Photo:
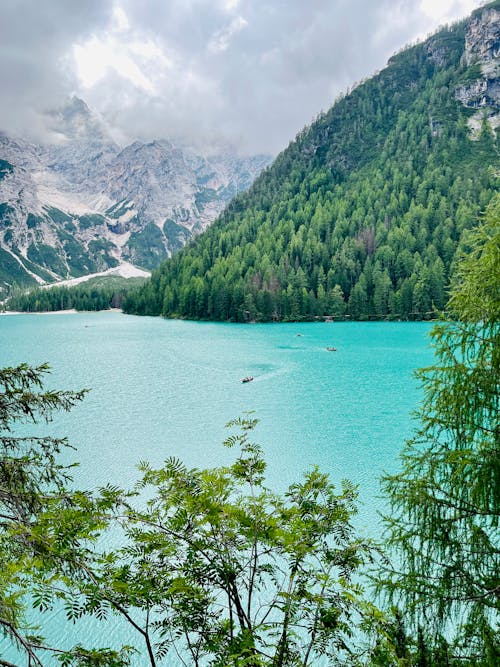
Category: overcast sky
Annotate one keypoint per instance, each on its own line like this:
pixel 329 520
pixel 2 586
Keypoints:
pixel 250 72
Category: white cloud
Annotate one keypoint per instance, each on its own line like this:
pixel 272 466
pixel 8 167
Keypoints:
pixel 222 38
pixel 120 19
pixel 445 11
pixel 250 71
pixel 96 58
pixel 136 58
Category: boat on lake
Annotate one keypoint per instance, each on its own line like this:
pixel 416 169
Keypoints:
pixel 248 378
pixel 331 349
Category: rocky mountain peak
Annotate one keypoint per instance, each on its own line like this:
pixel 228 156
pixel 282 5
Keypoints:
pixel 74 121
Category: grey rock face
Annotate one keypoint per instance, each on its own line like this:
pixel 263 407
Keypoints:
pixel 482 93
pixel 482 50
pixel 482 40
pixel 82 203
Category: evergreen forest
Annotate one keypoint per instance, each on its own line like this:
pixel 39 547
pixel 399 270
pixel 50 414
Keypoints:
pixel 94 294
pixel 360 217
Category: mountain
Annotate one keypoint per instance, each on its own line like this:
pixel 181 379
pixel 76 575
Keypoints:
pixel 80 203
pixel 361 216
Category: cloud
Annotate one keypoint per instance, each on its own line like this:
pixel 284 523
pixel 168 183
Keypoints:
pixel 252 72
pixel 222 38
pixel 95 59
pixel 447 10
pixel 34 41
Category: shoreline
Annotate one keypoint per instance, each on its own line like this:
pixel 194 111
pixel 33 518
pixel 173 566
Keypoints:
pixel 70 311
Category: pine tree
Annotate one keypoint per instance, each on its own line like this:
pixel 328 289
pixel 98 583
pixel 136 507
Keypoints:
pixel 445 502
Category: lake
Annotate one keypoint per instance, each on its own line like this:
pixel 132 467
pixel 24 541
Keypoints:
pixel 163 388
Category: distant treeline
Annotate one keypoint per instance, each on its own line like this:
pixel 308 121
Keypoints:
pixel 91 295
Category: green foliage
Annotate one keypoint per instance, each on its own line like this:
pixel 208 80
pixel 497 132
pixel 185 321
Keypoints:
pixel 94 294
pixel 100 251
pixel 146 248
pixel 32 483
pixel 373 197
pixel 231 573
pixel 446 501
pixel 82 657
pixel 204 197
pixel 76 256
pixel 47 531
pixel 57 215
pixel 91 220
pixel 33 221
pixel 5 169
pixel 176 235
pixel 10 270
pixel 67 257
pixel 34 268
pixel 228 573
pixel 47 256
pixel 5 212
pixel 494 4
pixel 396 647
pixel 118 209
pixel 81 260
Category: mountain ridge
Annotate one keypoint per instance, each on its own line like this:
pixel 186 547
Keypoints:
pixel 83 204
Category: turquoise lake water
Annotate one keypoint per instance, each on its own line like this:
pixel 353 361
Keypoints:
pixel 161 388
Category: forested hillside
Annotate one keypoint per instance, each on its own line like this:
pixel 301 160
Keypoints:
pixel 362 214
